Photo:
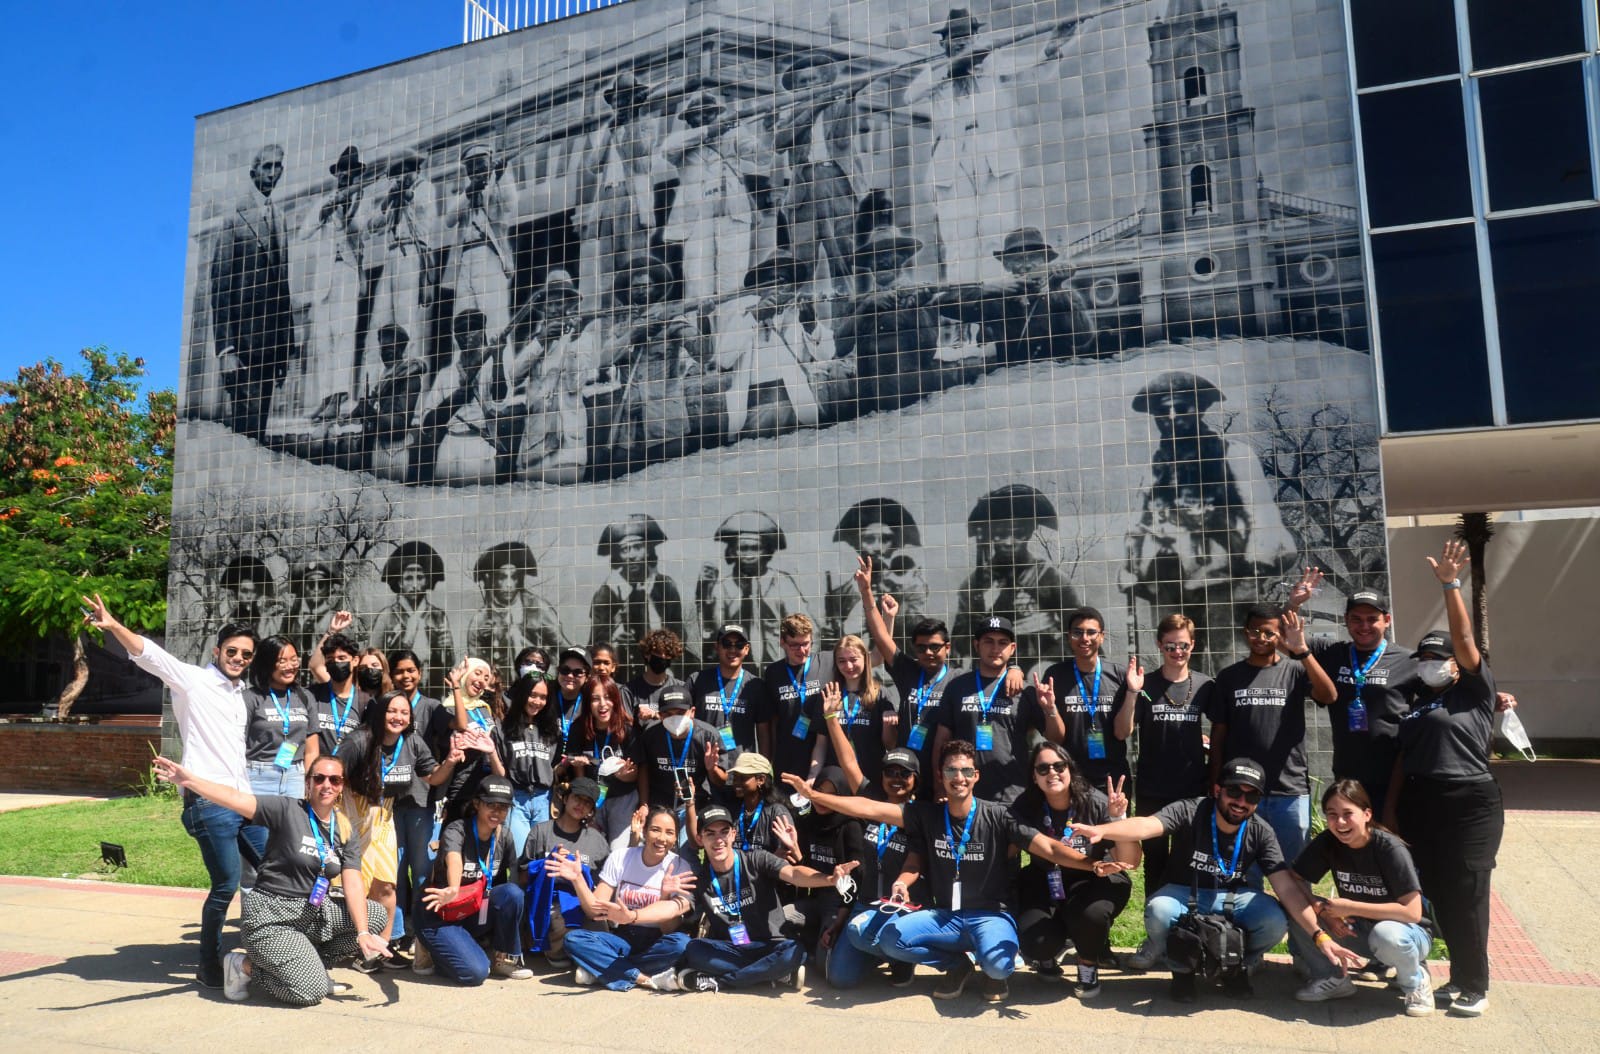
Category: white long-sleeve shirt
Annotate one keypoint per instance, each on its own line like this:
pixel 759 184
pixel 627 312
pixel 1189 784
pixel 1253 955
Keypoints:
pixel 211 715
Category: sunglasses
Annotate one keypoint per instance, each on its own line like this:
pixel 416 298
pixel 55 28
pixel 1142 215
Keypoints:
pixel 238 653
pixel 731 644
pixel 1249 795
pixel 1261 634
pixel 1083 634
pixel 573 671
pixel 319 778
pixel 897 772
pixel 498 806
pixel 1044 768
pixel 1177 646
pixel 931 647
pixel 951 772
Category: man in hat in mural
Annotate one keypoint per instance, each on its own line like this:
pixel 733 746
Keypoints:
pixel 482 264
pixel 390 406
pixel 1011 580
pixel 252 319
pixel 636 597
pixel 249 596
pixel 402 233
pixel 414 622
pixel 1209 530
pixel 974 172
pixel 1031 313
pixel 879 531
pixel 547 375
pixel 712 215
pixel 315 593
pixel 814 132
pixel 890 334
pixel 512 617
pixel 334 241
pixel 768 342
pixel 616 194
pixel 457 437
pixel 750 593
pixel 655 350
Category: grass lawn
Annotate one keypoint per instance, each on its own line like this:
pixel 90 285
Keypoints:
pixel 64 841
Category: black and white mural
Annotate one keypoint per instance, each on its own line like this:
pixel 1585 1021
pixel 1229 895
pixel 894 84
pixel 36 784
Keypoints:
pixel 664 315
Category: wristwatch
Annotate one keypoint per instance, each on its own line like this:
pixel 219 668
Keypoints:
pixel 1299 655
pixel 1454 583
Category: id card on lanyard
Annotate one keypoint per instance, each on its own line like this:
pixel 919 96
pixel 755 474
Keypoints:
pixel 802 724
pixel 326 848
pixel 726 731
pixel 921 701
pixel 983 737
pixel 1096 735
pixel 484 868
pixel 737 931
pixel 1054 878
pixel 958 850
pixel 1356 712
pixel 287 751
pixel 349 705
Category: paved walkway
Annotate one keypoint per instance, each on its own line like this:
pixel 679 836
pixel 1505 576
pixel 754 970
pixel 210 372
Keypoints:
pixel 92 966
pixel 10 801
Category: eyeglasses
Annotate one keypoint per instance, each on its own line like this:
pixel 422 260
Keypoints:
pixel 951 772
pixel 1083 634
pixel 573 671
pixel 1245 794
pixel 1261 634
pixel 319 778
pixel 1044 768
pixel 1177 645
pixel 931 647
pixel 897 772
pixel 238 653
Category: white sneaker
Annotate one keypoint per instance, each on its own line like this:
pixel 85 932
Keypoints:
pixel 1469 1004
pixel 1419 1001
pixel 584 977
pixel 235 982
pixel 666 981
pixel 510 967
pixel 1325 988
pixel 1143 960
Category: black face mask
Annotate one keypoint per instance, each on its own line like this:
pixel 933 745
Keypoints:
pixel 658 663
pixel 370 678
pixel 339 671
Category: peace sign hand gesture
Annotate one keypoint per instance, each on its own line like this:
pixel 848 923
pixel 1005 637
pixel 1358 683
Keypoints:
pixel 863 575
pixel 1116 797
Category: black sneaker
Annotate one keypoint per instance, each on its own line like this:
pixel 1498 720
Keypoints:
pixel 372 965
pixel 399 955
pixel 209 975
pixel 994 989
pixel 1183 987
pixel 1048 969
pixel 1088 986
pixel 955 980
pixel 1236 983
pixel 902 974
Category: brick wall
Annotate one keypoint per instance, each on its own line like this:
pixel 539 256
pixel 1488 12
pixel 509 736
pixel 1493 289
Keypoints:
pixel 75 758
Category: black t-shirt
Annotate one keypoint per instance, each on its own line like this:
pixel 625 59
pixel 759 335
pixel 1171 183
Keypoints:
pixel 461 836
pixel 739 705
pixel 463 782
pixel 1380 872
pixel 1264 708
pixel 422 710
pixel 268 711
pixel 337 715
pixel 293 861
pixel 985 872
pixel 1033 882
pixel 1074 703
pixel 824 846
pixel 600 747
pixel 1003 766
pixel 753 902
pixel 407 758
pixel 676 767
pixel 569 723
pixel 1391 684
pixel 1194 855
pixel 792 737
pixel 639 692
pixel 883 858
pixel 1447 737
pixel 588 845
pixel 530 759
pixel 921 699
pixel 752 826
pixel 863 726
pixel 1172 753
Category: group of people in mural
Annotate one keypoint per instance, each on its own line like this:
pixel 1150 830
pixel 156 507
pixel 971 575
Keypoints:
pixel 732 276
pixel 849 811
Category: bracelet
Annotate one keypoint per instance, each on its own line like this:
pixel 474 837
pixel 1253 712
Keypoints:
pixel 831 715
pixel 1318 937
pixel 1299 655
pixel 1116 819
pixel 1453 584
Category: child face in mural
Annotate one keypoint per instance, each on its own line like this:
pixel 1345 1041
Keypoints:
pixel 413 582
pixel 877 544
pixel 750 557
pixel 504 585
pixel 1008 540
pixel 1177 416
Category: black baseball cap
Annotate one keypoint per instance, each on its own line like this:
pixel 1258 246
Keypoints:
pixel 905 758
pixel 584 787
pixel 575 652
pixel 1367 598
pixel 732 631
pixel 1436 643
pixel 674 698
pixel 715 814
pixel 994 624
pixel 1242 772
pixel 496 790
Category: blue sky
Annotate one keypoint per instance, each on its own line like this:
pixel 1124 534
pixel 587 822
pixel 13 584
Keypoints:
pixel 99 127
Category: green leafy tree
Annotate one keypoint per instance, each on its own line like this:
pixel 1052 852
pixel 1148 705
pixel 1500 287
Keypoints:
pixel 85 501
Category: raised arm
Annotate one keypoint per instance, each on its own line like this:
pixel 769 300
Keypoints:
pixel 849 805
pixel 96 614
pixel 1447 569
pixel 1133 686
pixel 844 751
pixel 1323 690
pixel 877 628
pixel 241 802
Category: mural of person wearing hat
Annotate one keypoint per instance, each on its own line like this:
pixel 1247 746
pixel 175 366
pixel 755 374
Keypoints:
pixel 658 350
pixel 891 334
pixel 1209 530
pixel 390 406
pixel 750 592
pixel 879 531
pixel 316 591
pixel 767 339
pixel 414 622
pixel 636 597
pixel 512 617
pixel 252 317
pixel 712 214
pixel 482 265
pixel 249 596
pixel 973 174
pixel 814 132
pixel 459 421
pixel 616 210
pixel 547 375
pixel 1012 581
pixel 1031 313
pixel 402 234
pixel 334 246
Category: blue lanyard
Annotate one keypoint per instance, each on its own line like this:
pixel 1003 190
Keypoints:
pixel 390 762
pixel 323 849
pixel 987 704
pixel 350 704
pixel 959 849
pixel 1358 672
pixel 746 831
pixel 283 710
pixel 416 697
pixel 598 747
pixel 924 696
pixel 727 704
pixel 478 719
pixel 565 718
pixel 732 909
pixel 477 853
pixel 1050 821
pixel 688 741
pixel 850 712
pixel 1216 845
pixel 1083 692
pixel 886 832
pixel 800 685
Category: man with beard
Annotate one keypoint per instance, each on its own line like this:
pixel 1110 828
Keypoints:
pixel 1009 580
pixel 636 597
pixel 879 530
pixel 414 622
pixel 511 618
pixel 751 594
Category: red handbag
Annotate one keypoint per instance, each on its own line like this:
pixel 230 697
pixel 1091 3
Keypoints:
pixel 466 904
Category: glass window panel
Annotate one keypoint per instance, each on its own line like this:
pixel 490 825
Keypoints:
pixel 1507 31
pixel 1430 318
pixel 1536 137
pixel 1414 148
pixel 1408 41
pixel 1547 296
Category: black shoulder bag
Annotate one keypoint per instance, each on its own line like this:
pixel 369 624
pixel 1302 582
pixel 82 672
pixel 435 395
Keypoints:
pixel 1206 944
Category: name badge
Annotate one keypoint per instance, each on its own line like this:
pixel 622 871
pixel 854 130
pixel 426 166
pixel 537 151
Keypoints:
pixel 955 895
pixel 483 912
pixel 286 753
pixel 738 933
pixel 918 736
pixel 1058 885
pixel 319 891
pixel 802 727
pixel 1097 744
pixel 984 740
pixel 726 732
pixel 602 799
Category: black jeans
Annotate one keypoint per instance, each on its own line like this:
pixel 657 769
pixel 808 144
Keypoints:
pixel 1093 903
pixel 1156 850
pixel 1455 830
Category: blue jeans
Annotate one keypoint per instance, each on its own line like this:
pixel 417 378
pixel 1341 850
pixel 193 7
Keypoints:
pixel 527 809
pixel 456 951
pixel 939 938
pixel 267 778
pixel 413 831
pixel 857 948
pixel 1261 918
pixel 739 965
pixel 220 835
pixel 1289 816
pixel 1403 945
pixel 617 959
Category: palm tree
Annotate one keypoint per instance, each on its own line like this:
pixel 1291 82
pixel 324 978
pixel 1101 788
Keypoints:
pixel 1476 528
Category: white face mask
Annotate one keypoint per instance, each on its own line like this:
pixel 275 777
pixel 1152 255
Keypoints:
pixel 678 724
pixel 1436 673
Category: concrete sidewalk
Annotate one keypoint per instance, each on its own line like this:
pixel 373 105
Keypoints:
pixel 105 967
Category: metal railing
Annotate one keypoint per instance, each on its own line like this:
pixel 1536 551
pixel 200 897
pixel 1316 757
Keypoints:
pixel 485 18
